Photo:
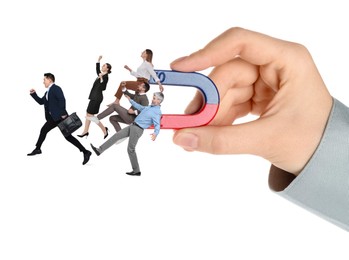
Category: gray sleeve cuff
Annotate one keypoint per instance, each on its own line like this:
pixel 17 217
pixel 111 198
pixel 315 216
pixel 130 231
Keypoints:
pixel 322 187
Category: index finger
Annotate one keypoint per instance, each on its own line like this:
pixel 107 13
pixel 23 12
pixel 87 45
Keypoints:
pixel 253 47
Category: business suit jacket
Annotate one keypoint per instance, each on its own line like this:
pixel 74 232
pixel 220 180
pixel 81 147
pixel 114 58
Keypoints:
pixel 98 87
pixel 55 105
pixel 140 99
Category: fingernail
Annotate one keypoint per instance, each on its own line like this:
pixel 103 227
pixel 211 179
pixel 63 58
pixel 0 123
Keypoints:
pixel 187 141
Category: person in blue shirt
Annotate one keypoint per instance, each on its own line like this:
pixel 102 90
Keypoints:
pixel 149 115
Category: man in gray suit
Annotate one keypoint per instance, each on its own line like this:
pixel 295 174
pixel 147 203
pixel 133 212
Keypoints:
pixel 150 115
pixel 126 116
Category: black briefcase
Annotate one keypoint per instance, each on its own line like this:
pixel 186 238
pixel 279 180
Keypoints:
pixel 70 124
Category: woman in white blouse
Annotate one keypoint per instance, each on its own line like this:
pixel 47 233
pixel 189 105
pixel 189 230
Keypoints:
pixel 143 74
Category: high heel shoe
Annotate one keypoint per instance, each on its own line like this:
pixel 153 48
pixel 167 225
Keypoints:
pixel 106 130
pixel 85 134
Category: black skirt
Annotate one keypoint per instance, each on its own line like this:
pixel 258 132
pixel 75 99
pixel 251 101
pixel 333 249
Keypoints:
pixel 93 107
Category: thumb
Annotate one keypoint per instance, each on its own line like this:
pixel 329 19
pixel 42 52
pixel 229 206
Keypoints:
pixel 235 139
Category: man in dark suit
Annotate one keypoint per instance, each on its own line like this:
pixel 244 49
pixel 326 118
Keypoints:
pixel 54 103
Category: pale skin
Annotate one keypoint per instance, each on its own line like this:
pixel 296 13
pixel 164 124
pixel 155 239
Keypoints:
pixel 274 79
pixel 155 102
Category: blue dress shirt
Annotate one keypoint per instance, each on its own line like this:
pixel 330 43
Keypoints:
pixel 149 115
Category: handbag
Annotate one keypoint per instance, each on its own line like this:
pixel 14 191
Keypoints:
pixel 70 124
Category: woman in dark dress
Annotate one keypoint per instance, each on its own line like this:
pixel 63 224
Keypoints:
pixel 96 95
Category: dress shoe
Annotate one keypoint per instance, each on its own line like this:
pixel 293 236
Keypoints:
pixel 34 152
pixel 95 150
pixel 134 173
pixel 106 130
pixel 85 134
pixel 87 156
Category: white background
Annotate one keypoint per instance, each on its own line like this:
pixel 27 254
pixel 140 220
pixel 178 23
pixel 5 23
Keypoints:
pixel 185 205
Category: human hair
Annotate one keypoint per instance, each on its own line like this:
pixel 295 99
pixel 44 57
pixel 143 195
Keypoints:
pixel 146 87
pixel 159 96
pixel 109 68
pixel 149 55
pixel 50 76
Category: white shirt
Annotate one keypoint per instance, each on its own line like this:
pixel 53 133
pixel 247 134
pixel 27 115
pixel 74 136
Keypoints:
pixel 145 70
pixel 48 90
